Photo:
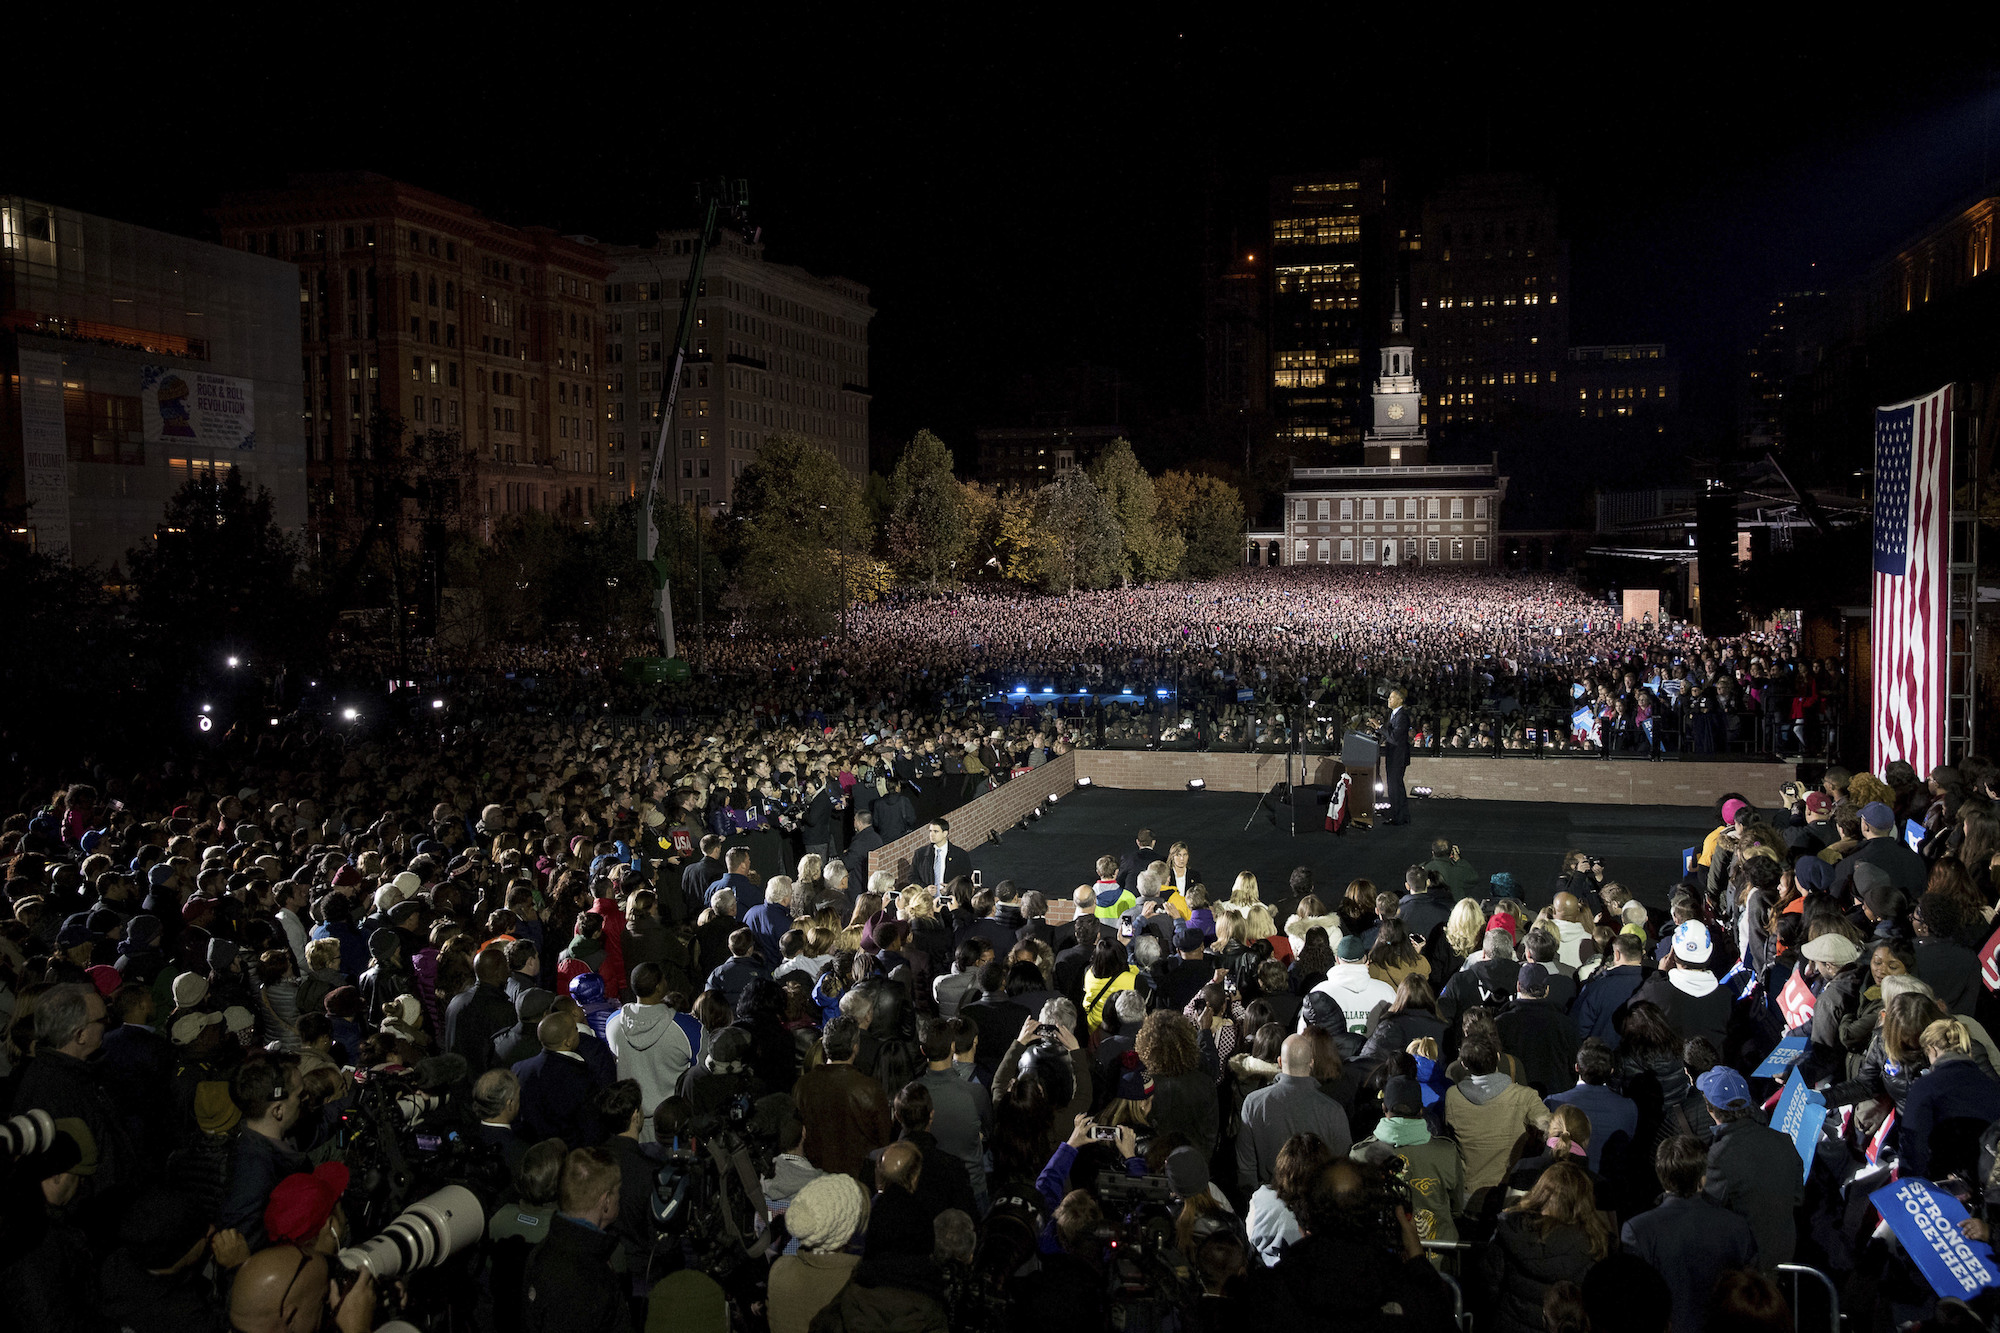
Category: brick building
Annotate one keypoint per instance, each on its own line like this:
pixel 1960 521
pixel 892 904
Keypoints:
pixel 775 349
pixel 425 309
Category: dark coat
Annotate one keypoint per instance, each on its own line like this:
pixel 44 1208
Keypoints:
pixel 1522 1264
pixel 1392 1034
pixel 66 1087
pixel 895 815
pixel 1952 971
pixel 1953 1089
pixel 1755 1172
pixel 570 1287
pixel 957 863
pixel 256 1165
pixel 474 1018
pixel 1490 981
pixel 136 1067
pixel 846 1117
pixel 1689 1242
pixel 1601 999
pixel 1543 1039
pixel 555 1100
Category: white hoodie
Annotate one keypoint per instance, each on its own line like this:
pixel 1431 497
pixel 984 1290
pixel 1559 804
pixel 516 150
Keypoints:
pixel 653 1044
pixel 1569 935
pixel 1356 993
pixel 1695 982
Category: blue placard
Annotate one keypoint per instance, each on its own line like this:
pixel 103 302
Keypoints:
pixel 1913 833
pixel 1925 1219
pixel 1688 854
pixel 1245 696
pixel 1800 1113
pixel 1782 1057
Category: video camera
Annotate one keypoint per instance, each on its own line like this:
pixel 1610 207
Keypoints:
pixel 410 1260
pixel 406 1135
pixel 707 1196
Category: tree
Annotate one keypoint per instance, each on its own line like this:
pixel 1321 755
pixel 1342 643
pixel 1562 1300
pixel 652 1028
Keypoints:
pixel 929 533
pixel 220 571
pixel 1208 514
pixel 1078 542
pixel 1149 549
pixel 802 521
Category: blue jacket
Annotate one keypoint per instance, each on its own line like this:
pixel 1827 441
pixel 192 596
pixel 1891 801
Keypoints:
pixel 1602 996
pixel 1689 1242
pixel 1610 1115
pixel 556 1091
pixel 769 922
pixel 354 956
pixel 1955 1088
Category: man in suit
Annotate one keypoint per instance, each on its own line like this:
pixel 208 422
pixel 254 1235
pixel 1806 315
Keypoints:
pixel 556 1087
pixel 1136 859
pixel 940 863
pixel 822 806
pixel 1395 742
pixel 496 1099
pixel 867 838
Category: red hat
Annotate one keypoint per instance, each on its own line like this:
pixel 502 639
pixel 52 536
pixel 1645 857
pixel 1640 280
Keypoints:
pixel 1505 921
pixel 105 977
pixel 301 1203
pixel 345 876
pixel 1818 801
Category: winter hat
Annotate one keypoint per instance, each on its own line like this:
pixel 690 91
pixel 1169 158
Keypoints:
pixel 383 943
pixel 342 1002
pixel 190 989
pixel 404 1009
pixel 826 1212
pixel 239 1019
pixel 1403 1096
pixel 105 977
pixel 301 1203
pixel 103 921
pixel 72 934
pixel 1731 809
pixel 160 876
pixel 1134 1083
pixel 408 882
pixel 534 1002
pixel 1505 921
pixel 214 1112
pixel 1187 1173
pixel 222 953
pixel 142 930
pixel 1320 1010
pixel 1504 882
pixel 345 877
pixel 1692 943
pixel 1351 949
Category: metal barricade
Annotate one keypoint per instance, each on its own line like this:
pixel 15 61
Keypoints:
pixel 1798 1271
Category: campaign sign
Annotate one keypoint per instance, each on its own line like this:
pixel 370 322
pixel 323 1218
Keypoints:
pixel 1881 1139
pixel 1688 854
pixel 1782 1057
pixel 1800 1113
pixel 1913 833
pixel 1244 696
pixel 1989 969
pixel 1925 1219
pixel 1796 1001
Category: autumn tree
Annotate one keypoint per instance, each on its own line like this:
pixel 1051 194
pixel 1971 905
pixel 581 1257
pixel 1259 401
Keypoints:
pixel 1078 542
pixel 1207 512
pixel 1148 549
pixel 802 520
pixel 929 534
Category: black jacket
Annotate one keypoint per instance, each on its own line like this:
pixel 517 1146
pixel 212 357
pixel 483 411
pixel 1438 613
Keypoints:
pixel 65 1086
pixel 256 1165
pixel 1542 1037
pixel 1490 982
pixel 855 858
pixel 1755 1172
pixel 895 815
pixel 1689 1242
pixel 923 866
pixel 1521 1265
pixel 1952 970
pixel 473 1019
pixel 570 1287
pixel 555 1100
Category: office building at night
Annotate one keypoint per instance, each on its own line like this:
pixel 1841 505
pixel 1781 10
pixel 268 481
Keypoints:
pixel 775 349
pixel 131 361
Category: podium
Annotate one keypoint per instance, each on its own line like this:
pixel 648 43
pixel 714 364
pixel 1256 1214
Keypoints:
pixel 1359 751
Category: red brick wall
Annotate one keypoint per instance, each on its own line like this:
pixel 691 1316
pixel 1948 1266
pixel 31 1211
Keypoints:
pixel 970 823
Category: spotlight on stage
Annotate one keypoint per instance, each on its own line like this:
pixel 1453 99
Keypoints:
pixel 1420 791
pixel 993 835
pixel 1197 784
pixel 1053 798
pixel 1083 782
pixel 1381 805
pixel 1381 786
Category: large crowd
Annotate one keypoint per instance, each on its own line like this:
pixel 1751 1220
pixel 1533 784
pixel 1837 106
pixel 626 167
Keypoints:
pixel 623 1014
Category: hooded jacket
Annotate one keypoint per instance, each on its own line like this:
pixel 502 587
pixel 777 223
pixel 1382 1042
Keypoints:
pixel 588 991
pixel 1694 1003
pixel 1356 992
pixel 654 1044
pixel 1488 1113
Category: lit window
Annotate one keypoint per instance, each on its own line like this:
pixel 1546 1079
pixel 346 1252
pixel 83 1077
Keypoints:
pixel 1431 549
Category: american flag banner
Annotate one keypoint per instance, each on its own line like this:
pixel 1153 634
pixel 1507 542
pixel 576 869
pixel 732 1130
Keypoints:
pixel 1908 644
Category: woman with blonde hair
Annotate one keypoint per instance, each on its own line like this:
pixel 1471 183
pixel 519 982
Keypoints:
pixel 1446 950
pixel 1259 924
pixel 1955 1089
pixel 810 866
pixel 1567 1139
pixel 1243 892
pixel 1553 1235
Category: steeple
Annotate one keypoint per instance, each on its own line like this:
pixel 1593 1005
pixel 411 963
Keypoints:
pixel 1396 436
pixel 1396 319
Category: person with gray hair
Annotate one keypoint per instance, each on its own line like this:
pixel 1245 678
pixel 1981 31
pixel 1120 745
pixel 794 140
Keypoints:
pixel 955 1237
pixel 1062 1012
pixel 496 1100
pixel 69 1029
pixel 1490 980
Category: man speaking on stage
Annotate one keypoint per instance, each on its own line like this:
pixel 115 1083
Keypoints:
pixel 1395 741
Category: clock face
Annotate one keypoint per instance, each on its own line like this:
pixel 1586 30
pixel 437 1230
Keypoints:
pixel 1395 411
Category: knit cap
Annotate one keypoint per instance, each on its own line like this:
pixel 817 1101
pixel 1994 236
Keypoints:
pixel 826 1212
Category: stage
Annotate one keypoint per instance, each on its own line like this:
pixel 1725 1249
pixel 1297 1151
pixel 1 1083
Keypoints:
pixel 1640 845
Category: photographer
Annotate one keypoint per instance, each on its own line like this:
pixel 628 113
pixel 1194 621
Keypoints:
pixel 1339 1276
pixel 570 1286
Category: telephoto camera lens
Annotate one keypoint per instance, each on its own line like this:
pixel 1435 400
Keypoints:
pixel 31 1132
pixel 423 1235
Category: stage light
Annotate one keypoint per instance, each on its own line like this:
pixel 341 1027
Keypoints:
pixel 1021 688
pixel 1381 786
pixel 207 708
pixel 1161 693
pixel 204 723
pixel 1420 791
pixel 1197 784
pixel 993 835
pixel 1083 782
pixel 234 661
pixel 274 721
pixel 349 713
pixel 1052 798
pixel 437 703
pixel 1126 690
pixel 1035 813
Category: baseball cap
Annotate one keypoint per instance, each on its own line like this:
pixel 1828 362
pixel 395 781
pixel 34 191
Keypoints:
pixel 189 1025
pixel 73 934
pixel 1834 950
pixel 1813 874
pixel 1187 1172
pixel 1692 943
pixel 1189 937
pixel 301 1203
pixel 1878 816
pixel 1723 1088
pixel 1818 802
pixel 1534 979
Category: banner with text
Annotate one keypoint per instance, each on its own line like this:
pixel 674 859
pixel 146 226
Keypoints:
pixel 1782 1057
pixel 1796 1001
pixel 45 453
pixel 1800 1113
pixel 1925 1219
pixel 192 407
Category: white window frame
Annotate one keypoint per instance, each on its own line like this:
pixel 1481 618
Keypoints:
pixel 1479 507
pixel 1299 510
pixel 1431 549
pixel 1367 510
pixel 1367 550
pixel 1479 550
pixel 1432 509
pixel 1346 550
pixel 1347 511
pixel 1458 506
pixel 1301 552
pixel 1325 510
pixel 1409 550
pixel 1457 549
pixel 1325 550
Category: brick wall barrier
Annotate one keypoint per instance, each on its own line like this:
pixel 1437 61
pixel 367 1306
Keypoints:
pixel 1574 781
pixel 971 822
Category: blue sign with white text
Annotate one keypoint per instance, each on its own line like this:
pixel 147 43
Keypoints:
pixel 1800 1113
pixel 1782 1057
pixel 1925 1219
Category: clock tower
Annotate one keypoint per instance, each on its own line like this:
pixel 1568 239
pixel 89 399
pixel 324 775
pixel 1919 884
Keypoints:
pixel 1396 435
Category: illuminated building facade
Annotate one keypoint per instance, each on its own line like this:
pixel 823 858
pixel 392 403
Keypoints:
pixel 422 308
pixel 1630 381
pixel 775 349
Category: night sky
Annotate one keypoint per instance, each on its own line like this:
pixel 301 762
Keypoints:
pixel 1040 191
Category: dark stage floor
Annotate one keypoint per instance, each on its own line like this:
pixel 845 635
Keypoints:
pixel 1640 845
